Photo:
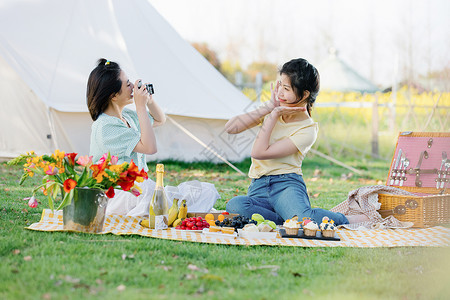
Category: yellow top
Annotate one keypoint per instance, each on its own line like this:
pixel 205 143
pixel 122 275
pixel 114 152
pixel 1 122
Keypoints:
pixel 303 134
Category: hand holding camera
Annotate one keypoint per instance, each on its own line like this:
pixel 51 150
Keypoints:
pixel 148 87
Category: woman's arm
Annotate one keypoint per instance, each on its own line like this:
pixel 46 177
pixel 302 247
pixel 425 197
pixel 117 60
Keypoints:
pixel 251 119
pixel 159 117
pixel 246 121
pixel 262 149
pixel 147 143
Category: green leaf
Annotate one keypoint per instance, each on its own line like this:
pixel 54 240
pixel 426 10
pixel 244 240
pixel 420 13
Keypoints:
pixel 83 178
pixel 59 179
pixel 48 158
pixel 66 200
pixel 50 202
pixel 56 189
pixel 22 179
pixel 18 160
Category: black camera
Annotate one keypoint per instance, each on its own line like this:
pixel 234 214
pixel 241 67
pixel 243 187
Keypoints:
pixel 148 86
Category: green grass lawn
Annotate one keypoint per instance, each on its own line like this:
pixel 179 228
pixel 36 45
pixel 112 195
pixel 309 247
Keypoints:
pixel 44 265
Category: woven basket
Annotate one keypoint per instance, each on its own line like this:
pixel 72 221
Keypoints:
pixel 423 211
pixel 430 206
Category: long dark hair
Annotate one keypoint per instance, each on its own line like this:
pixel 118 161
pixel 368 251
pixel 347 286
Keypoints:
pixel 103 83
pixel 304 77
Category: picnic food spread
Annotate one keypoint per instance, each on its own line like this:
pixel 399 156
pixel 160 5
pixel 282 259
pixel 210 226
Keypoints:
pixel 227 225
pixel 254 228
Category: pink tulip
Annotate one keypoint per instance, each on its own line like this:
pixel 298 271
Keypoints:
pixel 102 159
pixel 85 161
pixel 32 202
pixel 114 160
pixel 135 191
pixel 52 170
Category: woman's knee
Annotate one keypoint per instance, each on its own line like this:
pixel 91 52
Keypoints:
pixel 237 204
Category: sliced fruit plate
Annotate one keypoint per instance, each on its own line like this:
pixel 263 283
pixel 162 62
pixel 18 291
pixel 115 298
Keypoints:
pixel 257 235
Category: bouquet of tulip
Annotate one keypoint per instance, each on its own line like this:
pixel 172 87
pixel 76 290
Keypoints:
pixel 62 172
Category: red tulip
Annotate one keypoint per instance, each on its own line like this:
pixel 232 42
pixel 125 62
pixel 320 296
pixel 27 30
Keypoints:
pixel 71 158
pixel 110 192
pixel 69 185
pixel 126 185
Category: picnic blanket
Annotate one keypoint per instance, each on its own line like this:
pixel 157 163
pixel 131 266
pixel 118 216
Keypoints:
pixel 122 225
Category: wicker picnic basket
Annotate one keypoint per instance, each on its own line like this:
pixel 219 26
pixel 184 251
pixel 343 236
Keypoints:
pixel 420 165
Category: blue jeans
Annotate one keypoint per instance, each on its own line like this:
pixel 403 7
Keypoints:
pixel 280 197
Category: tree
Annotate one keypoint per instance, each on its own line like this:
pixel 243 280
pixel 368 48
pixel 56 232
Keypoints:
pixel 269 71
pixel 208 53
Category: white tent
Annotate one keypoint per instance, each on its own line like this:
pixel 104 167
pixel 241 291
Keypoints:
pixel 336 75
pixel 49 47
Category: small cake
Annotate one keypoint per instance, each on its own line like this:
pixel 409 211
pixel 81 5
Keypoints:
pixel 327 227
pixel 309 227
pixel 227 230
pixel 215 228
pixel 264 227
pixel 250 228
pixel 291 226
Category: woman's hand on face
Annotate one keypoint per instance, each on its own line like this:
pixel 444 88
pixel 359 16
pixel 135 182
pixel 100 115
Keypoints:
pixel 141 96
pixel 273 103
pixel 287 111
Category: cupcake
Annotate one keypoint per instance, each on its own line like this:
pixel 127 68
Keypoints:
pixel 291 226
pixel 327 227
pixel 309 227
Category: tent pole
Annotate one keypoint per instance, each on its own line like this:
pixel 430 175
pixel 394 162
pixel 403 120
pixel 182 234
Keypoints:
pixel 191 135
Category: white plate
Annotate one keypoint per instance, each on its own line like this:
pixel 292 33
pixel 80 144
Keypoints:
pixel 187 230
pixel 218 234
pixel 257 235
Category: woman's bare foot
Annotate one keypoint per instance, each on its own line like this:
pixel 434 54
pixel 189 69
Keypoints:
pixel 357 218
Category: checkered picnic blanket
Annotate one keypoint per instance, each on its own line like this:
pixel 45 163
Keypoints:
pixel 121 225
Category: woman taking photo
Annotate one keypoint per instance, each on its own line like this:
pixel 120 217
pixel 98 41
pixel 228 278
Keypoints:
pixel 278 191
pixel 122 132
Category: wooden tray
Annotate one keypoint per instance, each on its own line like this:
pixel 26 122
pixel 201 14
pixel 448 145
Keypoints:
pixel 301 235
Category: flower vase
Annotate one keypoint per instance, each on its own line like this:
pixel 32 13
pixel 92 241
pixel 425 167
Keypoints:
pixel 86 212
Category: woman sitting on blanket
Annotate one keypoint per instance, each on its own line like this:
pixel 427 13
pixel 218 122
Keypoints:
pixel 120 131
pixel 287 132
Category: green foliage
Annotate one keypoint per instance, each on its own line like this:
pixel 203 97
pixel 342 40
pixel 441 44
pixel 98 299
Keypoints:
pixel 58 265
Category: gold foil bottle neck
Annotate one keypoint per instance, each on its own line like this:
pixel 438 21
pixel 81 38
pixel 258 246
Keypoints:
pixel 160 168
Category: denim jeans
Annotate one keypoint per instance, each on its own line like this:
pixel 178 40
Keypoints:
pixel 280 197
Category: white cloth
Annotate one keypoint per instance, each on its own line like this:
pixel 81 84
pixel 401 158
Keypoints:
pixel 123 203
pixel 199 196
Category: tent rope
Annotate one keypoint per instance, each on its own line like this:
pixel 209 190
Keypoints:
pixel 336 161
pixel 191 135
